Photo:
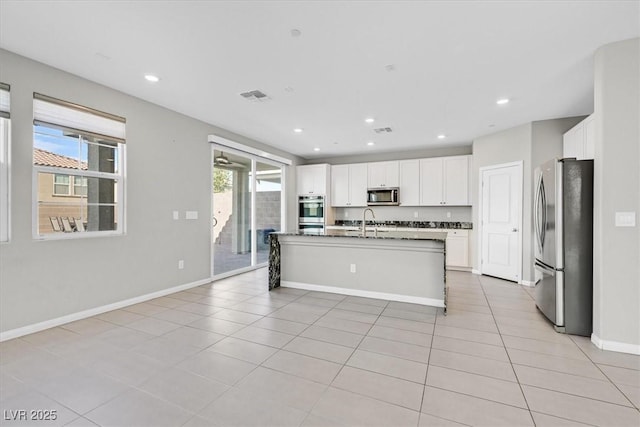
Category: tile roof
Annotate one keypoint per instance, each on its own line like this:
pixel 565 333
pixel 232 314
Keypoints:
pixel 47 158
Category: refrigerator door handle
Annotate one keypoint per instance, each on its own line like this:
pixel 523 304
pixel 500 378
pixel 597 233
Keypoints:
pixel 536 213
pixel 550 271
pixel 543 225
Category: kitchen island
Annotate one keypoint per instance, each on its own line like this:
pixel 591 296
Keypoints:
pixel 393 265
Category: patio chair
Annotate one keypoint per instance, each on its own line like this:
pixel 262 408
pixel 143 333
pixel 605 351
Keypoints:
pixel 55 223
pixel 66 225
pixel 79 225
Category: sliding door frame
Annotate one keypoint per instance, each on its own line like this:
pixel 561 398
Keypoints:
pixel 254 158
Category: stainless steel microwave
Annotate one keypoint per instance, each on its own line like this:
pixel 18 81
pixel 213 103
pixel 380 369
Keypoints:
pixel 383 196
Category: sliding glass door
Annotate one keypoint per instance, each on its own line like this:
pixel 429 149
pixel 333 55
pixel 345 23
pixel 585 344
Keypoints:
pixel 247 205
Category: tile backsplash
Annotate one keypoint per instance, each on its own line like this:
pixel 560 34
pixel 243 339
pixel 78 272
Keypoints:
pixel 406 213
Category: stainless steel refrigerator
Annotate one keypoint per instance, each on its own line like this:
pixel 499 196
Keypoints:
pixel 563 233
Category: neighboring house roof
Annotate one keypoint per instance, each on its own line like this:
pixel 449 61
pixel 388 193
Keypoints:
pixel 47 158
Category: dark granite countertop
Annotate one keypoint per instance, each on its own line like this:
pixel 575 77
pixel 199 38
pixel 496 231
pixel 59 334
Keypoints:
pixel 408 224
pixel 397 235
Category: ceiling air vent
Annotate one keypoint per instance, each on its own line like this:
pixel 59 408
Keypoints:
pixel 255 95
pixel 383 130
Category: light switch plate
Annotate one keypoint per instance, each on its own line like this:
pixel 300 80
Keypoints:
pixel 176 215
pixel 625 219
pixel 191 215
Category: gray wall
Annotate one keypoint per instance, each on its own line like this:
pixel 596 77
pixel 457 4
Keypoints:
pixel 531 143
pixel 168 169
pixel 507 146
pixel 617 189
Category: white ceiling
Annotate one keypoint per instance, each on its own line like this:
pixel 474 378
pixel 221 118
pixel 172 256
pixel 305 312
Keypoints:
pixel 452 60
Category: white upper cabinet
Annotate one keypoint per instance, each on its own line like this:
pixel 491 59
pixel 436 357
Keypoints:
pixel 312 179
pixel 409 182
pixel 579 141
pixel 349 185
pixel 431 182
pixel 383 174
pixel 444 181
pixel 456 180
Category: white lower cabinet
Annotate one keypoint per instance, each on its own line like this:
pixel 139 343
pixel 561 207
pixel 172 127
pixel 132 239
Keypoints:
pixel 457 246
pixel 458 249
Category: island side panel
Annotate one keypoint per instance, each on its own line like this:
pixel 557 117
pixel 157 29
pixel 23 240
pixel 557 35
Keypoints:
pixel 412 268
pixel 274 261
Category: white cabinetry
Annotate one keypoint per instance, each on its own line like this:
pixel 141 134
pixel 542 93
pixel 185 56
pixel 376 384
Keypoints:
pixel 457 249
pixel 444 181
pixel 312 179
pixel 579 141
pixel 349 185
pixel 457 246
pixel 383 174
pixel 409 183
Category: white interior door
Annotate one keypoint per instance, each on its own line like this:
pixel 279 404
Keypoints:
pixel 501 221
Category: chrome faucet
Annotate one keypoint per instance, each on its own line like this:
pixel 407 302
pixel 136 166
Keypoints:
pixel 364 222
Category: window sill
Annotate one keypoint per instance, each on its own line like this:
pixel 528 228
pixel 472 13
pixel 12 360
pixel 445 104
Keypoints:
pixel 76 235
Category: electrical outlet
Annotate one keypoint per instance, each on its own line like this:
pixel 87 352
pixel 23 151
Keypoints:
pixel 448 214
pixel 176 215
pixel 346 214
pixel 180 264
pixel 625 219
pixel 415 214
pixel 352 268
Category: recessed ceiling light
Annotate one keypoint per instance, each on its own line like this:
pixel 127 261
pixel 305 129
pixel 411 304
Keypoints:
pixel 502 101
pixel 370 143
pixel 298 130
pixel 442 136
pixel 369 120
pixel 316 149
pixel 151 78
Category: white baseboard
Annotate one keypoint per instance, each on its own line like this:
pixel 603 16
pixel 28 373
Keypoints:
pixel 620 347
pixel 474 271
pixel 41 326
pixel 366 294
pixel 528 283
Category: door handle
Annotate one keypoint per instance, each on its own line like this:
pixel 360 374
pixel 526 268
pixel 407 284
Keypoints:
pixel 215 221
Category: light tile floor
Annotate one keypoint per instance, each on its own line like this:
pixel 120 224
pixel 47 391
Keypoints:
pixel 232 354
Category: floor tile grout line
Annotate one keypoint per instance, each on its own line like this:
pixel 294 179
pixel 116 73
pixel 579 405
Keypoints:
pixel 606 376
pixel 524 397
pixel 426 374
pixel 351 355
pixel 631 406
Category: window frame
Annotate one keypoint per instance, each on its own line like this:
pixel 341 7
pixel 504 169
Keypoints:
pixel 119 178
pixel 5 163
pixel 5 178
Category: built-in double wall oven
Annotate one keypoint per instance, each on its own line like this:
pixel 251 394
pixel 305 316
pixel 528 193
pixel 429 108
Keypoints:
pixel 311 213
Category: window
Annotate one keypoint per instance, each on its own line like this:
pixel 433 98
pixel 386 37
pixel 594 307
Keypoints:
pixel 78 157
pixel 5 125
pixel 69 185
pixel 61 185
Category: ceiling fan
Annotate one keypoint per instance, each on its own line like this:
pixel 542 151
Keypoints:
pixel 222 160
